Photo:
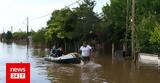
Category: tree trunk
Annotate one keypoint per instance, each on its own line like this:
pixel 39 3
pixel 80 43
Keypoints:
pixel 65 46
pixel 69 46
pixel 124 49
pixel 75 46
pixel 112 50
pixel 78 46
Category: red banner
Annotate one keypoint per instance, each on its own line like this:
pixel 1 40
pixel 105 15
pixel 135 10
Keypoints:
pixel 18 73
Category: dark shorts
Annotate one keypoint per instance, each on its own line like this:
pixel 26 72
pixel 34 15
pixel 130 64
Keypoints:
pixel 85 58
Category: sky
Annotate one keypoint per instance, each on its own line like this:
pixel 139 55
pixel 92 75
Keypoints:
pixel 13 13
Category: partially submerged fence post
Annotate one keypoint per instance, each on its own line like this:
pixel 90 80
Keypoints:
pixel 112 50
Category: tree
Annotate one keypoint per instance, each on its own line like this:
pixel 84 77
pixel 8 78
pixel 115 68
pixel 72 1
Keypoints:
pixel 87 19
pixel 60 26
pixel 19 36
pixel 66 25
pixel 155 35
pixel 38 37
pixel 146 20
pixel 147 16
pixel 9 35
pixel 115 18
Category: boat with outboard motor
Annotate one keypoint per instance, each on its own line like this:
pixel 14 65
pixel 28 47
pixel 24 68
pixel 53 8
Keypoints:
pixel 71 58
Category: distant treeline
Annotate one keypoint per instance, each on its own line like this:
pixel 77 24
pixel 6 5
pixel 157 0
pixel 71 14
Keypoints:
pixel 16 36
pixel 72 26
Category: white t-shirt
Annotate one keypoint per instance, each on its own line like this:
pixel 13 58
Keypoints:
pixel 85 50
pixel 89 47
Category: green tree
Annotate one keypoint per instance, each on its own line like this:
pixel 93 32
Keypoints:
pixel 19 35
pixel 66 25
pixel 87 19
pixel 114 24
pixel 60 25
pixel 147 17
pixel 155 40
pixel 115 20
pixel 3 35
pixel 155 35
pixel 38 37
pixel 9 35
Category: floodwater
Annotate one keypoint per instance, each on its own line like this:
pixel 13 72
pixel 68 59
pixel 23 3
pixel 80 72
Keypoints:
pixel 101 69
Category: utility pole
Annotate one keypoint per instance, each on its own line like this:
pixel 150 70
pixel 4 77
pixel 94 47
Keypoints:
pixel 27 26
pixel 27 36
pixel 3 30
pixel 27 30
pixel 11 29
pixel 133 30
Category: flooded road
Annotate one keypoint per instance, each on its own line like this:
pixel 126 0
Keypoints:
pixel 101 69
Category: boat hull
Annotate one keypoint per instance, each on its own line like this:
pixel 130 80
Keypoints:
pixel 65 59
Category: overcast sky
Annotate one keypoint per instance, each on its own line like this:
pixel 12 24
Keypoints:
pixel 14 12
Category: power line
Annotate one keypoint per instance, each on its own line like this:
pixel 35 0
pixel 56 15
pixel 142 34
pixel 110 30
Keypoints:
pixel 73 3
pixel 25 21
pixel 41 16
pixel 50 13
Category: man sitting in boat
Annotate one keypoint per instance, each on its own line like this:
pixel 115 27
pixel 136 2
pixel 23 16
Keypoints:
pixel 85 51
pixel 53 51
pixel 56 52
pixel 59 51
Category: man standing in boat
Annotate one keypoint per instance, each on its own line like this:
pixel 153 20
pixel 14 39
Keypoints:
pixel 85 51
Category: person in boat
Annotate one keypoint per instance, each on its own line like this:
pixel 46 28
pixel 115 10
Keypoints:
pixel 59 51
pixel 53 51
pixel 85 51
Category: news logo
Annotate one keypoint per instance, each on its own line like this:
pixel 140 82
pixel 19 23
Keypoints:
pixel 18 73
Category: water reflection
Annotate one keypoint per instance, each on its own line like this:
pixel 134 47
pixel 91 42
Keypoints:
pixel 88 73
pixel 10 53
pixel 40 52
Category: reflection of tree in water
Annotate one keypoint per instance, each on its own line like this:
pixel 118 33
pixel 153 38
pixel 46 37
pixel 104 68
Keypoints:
pixel 39 52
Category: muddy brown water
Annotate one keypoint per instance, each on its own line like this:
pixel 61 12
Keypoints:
pixel 101 69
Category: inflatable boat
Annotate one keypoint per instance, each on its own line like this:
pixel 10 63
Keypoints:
pixel 71 58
